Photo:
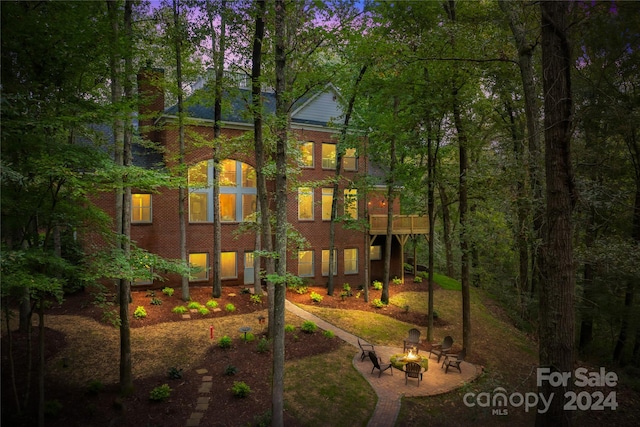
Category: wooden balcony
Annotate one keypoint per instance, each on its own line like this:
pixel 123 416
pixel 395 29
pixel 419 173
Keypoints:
pixel 402 224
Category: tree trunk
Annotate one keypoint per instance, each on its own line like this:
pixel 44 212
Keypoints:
pixel 277 403
pixel 41 364
pixel 384 297
pixel 182 191
pixel 431 178
pixel 217 131
pixel 556 330
pixel 446 230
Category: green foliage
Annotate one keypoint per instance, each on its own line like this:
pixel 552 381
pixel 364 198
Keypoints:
pixel 140 312
pixel 224 342
pixel 245 291
pixel 230 370
pixel 396 281
pixel 262 420
pixel 52 408
pixel 248 337
pixel 263 345
pixel 109 310
pixel 194 305
pixel 309 327
pixel 240 389
pixel 180 309
pixel 289 328
pixel 212 304
pixel 447 282
pixel 377 285
pixel 256 299
pixel 417 279
pixel 175 373
pixel 151 294
pixel 156 301
pixel 328 334
pixel 95 387
pixel 203 310
pixel 168 291
pixel 160 393
pixel 230 308
pixel 316 297
pixel 377 303
pixel 301 290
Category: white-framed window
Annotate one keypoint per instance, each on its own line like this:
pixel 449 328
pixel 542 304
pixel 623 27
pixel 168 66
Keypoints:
pixel 141 208
pixel 375 253
pixel 237 191
pixel 228 265
pixel 328 155
pixel 351 203
pixel 305 264
pixel 325 262
pixel 327 200
pixel 349 160
pixel 351 261
pixel 305 203
pixel 248 268
pixel 201 262
pixel 307 157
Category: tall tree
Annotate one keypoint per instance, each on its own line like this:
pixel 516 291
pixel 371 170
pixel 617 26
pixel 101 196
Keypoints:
pixel 282 122
pixel 557 290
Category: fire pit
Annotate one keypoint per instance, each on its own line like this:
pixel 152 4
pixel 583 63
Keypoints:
pixel 399 360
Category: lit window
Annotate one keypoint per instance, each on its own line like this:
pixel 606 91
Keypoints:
pixel 141 208
pixel 198 207
pixel 351 203
pixel 327 200
pixel 328 156
pixel 305 264
pixel 227 207
pixel 350 261
pixel 237 191
pixel 306 153
pixel 305 203
pixel 349 160
pixel 375 253
pixel 228 173
pixel 199 261
pixel 228 265
pixel 325 262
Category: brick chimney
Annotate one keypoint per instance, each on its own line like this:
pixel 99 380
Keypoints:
pixel 151 95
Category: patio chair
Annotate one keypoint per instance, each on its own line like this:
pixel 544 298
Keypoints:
pixel 442 349
pixel 454 361
pixel 412 370
pixel 378 365
pixel 365 348
pixel 412 340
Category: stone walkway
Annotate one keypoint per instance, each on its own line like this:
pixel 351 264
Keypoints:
pixel 390 387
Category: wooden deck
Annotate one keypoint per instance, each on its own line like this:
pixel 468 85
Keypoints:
pixel 402 224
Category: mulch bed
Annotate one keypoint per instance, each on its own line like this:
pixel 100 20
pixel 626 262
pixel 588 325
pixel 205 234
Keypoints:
pixel 100 404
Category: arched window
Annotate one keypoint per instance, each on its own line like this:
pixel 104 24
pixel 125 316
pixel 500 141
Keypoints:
pixel 237 191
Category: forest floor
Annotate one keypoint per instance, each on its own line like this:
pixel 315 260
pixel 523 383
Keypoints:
pixel 82 361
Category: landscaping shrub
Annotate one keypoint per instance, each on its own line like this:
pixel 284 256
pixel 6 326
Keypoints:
pixel 301 290
pixel 194 305
pixel 230 370
pixel 203 310
pixel 180 309
pixel 377 303
pixel 396 281
pixel 168 291
pixel 328 334
pixel 248 337
pixel 263 345
pixel 156 301
pixel 140 312
pixel 224 342
pixel 212 304
pixel 289 328
pixel 230 308
pixel 160 393
pixel 309 327
pixel 377 285
pixel 95 387
pixel 175 373
pixel 240 389
pixel 316 297
pixel 256 299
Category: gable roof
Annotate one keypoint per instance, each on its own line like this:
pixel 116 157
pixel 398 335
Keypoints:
pixel 320 108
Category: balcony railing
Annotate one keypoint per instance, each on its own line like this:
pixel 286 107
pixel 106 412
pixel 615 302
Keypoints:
pixel 402 224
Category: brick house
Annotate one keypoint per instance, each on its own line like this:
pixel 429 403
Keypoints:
pixel 155 225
